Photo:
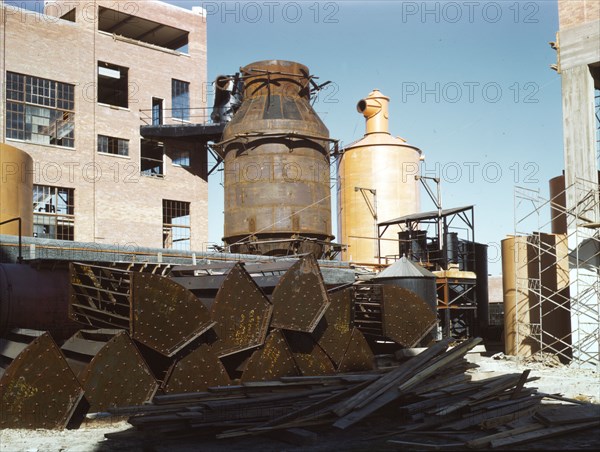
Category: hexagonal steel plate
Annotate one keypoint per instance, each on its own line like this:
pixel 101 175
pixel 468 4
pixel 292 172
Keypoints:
pixel 196 372
pixel 358 355
pixel 117 376
pixel 308 355
pixel 300 297
pixel 271 362
pixel 165 316
pixel 242 313
pixel 337 324
pixel 407 318
pixel 38 389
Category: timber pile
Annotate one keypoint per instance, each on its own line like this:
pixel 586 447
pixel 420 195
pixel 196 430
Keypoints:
pixel 429 395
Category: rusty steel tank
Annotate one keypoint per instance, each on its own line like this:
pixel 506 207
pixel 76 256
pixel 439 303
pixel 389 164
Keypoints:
pixel 376 182
pixel 16 190
pixel 276 165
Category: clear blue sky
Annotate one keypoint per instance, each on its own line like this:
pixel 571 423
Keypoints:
pixel 469 83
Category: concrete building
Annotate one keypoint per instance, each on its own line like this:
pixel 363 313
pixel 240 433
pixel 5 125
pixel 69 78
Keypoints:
pixel 78 81
pixel 578 46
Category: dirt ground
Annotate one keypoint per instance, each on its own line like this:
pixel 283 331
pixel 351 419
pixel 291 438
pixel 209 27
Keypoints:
pixel 570 382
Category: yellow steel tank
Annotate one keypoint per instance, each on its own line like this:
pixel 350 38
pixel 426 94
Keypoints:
pixel 16 190
pixel 376 177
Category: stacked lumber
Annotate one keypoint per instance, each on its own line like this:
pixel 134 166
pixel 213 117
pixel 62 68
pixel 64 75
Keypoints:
pixel 428 396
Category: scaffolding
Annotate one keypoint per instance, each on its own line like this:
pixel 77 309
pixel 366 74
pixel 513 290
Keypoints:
pixel 557 277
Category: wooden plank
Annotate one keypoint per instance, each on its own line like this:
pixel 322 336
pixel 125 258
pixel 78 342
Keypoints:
pixel 296 436
pixel 425 446
pixel 550 432
pixel 520 384
pixel 486 440
pixel 570 414
pixel 393 393
pixel 389 379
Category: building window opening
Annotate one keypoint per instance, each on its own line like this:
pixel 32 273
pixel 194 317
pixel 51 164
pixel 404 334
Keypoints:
pixel 152 158
pixel 120 23
pixel 181 157
pixel 180 101
pixel 53 212
pixel 112 85
pixel 40 110
pixel 176 225
pixel 157 111
pixel 70 16
pixel 112 145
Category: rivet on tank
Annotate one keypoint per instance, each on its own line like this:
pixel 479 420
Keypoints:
pixel 276 165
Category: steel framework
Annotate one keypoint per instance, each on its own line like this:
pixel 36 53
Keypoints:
pixel 575 286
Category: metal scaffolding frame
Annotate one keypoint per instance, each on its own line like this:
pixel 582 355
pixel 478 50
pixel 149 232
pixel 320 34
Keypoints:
pixel 580 290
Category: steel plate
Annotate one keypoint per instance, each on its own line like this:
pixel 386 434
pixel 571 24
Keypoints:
pixel 241 312
pixel 337 324
pixel 38 389
pixel 300 298
pixel 407 318
pixel 196 372
pixel 271 362
pixel 358 355
pixel 165 316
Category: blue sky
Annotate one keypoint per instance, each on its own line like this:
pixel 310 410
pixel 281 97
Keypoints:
pixel 469 82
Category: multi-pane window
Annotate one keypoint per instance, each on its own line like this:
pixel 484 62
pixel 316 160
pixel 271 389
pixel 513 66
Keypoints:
pixel 112 145
pixel 40 110
pixel 53 212
pixel 176 225
pixel 181 157
pixel 180 99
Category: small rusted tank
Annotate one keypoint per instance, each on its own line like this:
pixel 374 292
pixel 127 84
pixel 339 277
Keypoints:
pixel 276 164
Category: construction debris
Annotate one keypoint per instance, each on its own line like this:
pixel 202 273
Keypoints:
pixel 429 396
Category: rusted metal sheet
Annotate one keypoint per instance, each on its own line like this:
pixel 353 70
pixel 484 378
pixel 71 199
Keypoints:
pixel 37 388
pixel 309 356
pixel 358 354
pixel 273 361
pixel 300 298
pixel 407 318
pixel 99 296
pixel 394 313
pixel 110 368
pixel 337 325
pixel 165 316
pixel 196 372
pixel 241 312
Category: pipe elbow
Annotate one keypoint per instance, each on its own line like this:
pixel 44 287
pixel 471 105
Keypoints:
pixel 369 107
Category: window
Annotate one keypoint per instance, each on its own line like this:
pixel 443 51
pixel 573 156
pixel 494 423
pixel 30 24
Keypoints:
pixel 181 157
pixel 53 212
pixel 180 92
pixel 157 111
pixel 112 145
pixel 152 158
pixel 176 225
pixel 112 85
pixel 40 110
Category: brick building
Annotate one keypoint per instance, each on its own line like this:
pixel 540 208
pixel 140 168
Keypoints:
pixel 78 81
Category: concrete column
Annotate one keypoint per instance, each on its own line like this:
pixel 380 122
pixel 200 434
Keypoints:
pixel 581 181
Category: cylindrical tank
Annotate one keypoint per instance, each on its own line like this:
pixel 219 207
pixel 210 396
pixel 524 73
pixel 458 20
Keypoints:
pixel 376 175
pixel 515 273
pixel 557 205
pixel 16 190
pixel 409 275
pixel 413 244
pixel 276 164
pixel 36 299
